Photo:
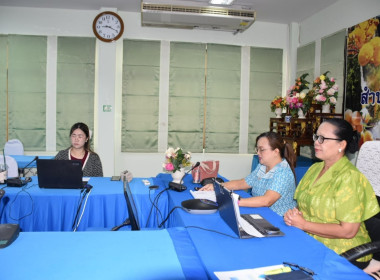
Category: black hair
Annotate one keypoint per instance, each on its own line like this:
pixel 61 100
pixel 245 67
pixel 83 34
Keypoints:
pixel 286 150
pixel 343 130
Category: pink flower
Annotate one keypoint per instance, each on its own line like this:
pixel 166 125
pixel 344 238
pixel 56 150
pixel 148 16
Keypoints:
pixel 335 87
pixel 332 79
pixel 331 91
pixel 169 166
pixel 333 100
pixel 323 85
pixel 321 91
pixel 320 98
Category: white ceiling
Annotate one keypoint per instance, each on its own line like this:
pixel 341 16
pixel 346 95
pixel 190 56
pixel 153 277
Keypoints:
pixel 277 11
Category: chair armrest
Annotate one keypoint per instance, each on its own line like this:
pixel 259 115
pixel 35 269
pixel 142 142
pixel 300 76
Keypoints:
pixel 362 250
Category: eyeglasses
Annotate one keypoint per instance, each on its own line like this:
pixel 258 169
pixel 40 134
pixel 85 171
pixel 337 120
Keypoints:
pixel 261 150
pixel 322 139
pixel 294 266
pixel 79 136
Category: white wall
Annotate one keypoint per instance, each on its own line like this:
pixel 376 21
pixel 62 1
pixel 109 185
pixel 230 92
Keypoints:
pixel 53 22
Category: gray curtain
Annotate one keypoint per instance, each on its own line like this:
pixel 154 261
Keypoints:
pixel 140 108
pixel 75 85
pixel 265 84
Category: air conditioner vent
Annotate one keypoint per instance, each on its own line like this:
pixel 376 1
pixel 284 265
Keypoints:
pixel 168 14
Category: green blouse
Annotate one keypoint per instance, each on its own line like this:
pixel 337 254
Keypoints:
pixel 344 194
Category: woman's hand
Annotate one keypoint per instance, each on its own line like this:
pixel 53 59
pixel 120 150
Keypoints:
pixel 294 217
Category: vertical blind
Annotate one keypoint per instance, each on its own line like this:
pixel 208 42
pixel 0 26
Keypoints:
pixel 265 84
pixel 333 59
pixel 305 62
pixel 140 109
pixel 24 92
pixel 204 92
pixel 186 95
pixel 75 85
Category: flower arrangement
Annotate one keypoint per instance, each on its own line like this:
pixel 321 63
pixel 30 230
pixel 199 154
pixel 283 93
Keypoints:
pixel 175 159
pixel 325 90
pixel 298 96
pixel 278 102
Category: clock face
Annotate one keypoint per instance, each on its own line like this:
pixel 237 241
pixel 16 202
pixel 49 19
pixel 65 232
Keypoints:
pixel 108 26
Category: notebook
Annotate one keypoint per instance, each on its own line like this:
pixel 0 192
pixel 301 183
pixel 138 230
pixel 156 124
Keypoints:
pixel 245 225
pixel 59 174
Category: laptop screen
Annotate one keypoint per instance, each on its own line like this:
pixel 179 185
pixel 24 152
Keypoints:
pixel 132 210
pixel 226 207
pixel 59 174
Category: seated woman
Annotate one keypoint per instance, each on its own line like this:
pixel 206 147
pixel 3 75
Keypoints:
pixel 334 198
pixel 273 180
pixel 80 150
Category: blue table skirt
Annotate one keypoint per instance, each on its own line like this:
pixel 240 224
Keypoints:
pixel 220 250
pixel 37 209
pixel 152 254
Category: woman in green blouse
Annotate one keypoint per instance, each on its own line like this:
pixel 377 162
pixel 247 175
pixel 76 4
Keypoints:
pixel 334 198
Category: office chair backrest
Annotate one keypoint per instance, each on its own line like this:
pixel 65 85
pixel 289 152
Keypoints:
pixel 368 162
pixel 12 166
pixel 13 147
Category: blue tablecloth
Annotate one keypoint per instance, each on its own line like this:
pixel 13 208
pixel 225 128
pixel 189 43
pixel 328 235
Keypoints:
pixel 302 165
pixel 37 209
pixel 24 160
pixel 152 254
pixel 220 251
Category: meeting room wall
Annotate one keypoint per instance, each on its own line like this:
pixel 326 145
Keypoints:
pixel 53 22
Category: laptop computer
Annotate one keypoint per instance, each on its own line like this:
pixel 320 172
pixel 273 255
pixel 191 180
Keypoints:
pixel 245 225
pixel 59 174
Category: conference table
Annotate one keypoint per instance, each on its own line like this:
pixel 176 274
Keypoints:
pixel 112 255
pixel 39 209
pixel 205 245
pixel 220 249
pixel 25 160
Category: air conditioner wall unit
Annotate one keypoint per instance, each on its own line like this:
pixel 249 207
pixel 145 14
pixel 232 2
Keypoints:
pixel 191 15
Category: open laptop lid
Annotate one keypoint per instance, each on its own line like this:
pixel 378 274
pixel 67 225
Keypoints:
pixel 230 213
pixel 226 207
pixel 59 174
pixel 131 206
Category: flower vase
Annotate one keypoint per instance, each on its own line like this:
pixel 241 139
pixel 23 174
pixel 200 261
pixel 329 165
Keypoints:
pixel 178 175
pixel 326 108
pixel 301 115
pixel 278 113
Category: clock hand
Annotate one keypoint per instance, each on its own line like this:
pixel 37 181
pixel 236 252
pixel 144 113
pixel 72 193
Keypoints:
pixel 110 27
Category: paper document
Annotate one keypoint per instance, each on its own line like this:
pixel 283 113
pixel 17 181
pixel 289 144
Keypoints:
pixel 246 274
pixel 210 195
pixel 248 228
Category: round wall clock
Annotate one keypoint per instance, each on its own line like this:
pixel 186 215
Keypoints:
pixel 108 26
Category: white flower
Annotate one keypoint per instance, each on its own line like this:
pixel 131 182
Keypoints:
pixel 303 95
pixel 332 100
pixel 169 152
